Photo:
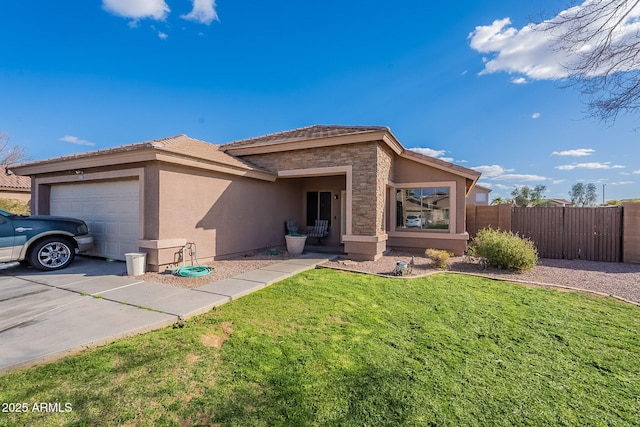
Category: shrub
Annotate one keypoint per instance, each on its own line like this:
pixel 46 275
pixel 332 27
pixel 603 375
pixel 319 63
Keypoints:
pixel 14 206
pixel 439 257
pixel 504 250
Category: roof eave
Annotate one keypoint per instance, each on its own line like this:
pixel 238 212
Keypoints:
pixel 278 147
pixel 135 156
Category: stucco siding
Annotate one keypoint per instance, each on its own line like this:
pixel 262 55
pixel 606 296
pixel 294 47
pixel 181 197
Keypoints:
pixel 23 196
pixel 224 215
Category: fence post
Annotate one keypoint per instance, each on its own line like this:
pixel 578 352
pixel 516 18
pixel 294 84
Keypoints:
pixel 631 233
pixel 504 217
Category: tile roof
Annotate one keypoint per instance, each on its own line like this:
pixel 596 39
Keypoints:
pixel 181 145
pixel 15 181
pixel 303 134
pixel 186 146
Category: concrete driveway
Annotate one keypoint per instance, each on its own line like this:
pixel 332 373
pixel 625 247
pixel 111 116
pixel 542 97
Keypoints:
pixel 47 315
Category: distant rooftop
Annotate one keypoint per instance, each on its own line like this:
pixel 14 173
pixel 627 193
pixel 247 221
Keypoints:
pixel 14 181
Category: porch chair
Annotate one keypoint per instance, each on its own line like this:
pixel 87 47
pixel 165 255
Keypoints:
pixel 291 226
pixel 320 230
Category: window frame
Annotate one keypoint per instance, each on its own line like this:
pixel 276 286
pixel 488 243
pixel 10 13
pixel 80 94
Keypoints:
pixel 400 231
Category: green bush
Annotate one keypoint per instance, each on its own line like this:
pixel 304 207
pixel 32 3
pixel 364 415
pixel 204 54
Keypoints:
pixel 14 206
pixel 439 257
pixel 504 250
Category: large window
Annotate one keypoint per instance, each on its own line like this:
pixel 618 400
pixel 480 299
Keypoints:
pixel 318 206
pixel 422 209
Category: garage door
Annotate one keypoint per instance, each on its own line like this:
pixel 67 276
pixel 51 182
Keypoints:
pixel 110 209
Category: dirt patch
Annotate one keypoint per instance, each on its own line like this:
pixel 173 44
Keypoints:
pixel 217 340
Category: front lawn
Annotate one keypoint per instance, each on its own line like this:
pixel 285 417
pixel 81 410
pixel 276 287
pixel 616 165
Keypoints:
pixel 334 348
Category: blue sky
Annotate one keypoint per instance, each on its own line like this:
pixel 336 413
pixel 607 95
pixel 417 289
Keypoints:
pixel 466 83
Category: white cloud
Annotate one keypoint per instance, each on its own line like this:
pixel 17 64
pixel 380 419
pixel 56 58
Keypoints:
pixel 578 152
pixel 519 80
pixel 76 140
pixel 491 171
pixel 162 35
pixel 636 172
pixel 535 116
pixel 203 12
pixel 558 181
pixel 520 177
pixel 502 187
pixel 428 151
pixel 532 52
pixel 137 9
pixel 593 165
pixel 525 51
pixel 622 183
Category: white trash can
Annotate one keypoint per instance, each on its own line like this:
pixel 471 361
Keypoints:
pixel 136 263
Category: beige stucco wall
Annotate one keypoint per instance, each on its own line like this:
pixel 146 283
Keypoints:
pixel 222 214
pixel 12 194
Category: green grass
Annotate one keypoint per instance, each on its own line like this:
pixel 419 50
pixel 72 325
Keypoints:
pixel 331 348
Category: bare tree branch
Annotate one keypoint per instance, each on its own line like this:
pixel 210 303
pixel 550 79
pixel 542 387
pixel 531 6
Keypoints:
pixel 601 41
pixel 9 153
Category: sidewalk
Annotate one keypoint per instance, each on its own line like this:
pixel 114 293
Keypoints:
pixel 46 316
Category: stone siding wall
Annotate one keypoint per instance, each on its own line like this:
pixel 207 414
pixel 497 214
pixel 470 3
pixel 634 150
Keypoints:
pixel 371 165
pixel 384 173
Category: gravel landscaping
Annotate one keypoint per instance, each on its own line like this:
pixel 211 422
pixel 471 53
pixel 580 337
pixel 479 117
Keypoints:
pixel 609 278
pixel 223 269
pixel 617 279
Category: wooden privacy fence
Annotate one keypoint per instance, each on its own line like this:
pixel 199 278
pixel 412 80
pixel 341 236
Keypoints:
pixel 594 234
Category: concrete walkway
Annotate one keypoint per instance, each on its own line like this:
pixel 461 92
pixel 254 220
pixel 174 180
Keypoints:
pixel 46 316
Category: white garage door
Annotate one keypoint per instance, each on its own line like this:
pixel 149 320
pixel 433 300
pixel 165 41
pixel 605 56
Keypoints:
pixel 110 209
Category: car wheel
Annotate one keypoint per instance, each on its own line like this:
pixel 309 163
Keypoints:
pixel 52 254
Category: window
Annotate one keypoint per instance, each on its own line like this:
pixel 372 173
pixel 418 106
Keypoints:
pixel 318 206
pixel 422 209
pixel 481 197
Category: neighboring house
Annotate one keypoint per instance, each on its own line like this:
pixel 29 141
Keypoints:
pixel 555 203
pixel 15 187
pixel 479 195
pixel 158 195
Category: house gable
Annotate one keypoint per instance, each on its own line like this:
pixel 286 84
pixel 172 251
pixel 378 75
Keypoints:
pixel 179 149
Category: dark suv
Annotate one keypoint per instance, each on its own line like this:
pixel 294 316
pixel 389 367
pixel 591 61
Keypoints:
pixel 46 242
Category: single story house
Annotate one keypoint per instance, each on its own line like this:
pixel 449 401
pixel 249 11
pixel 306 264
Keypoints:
pixel 156 196
pixel 556 203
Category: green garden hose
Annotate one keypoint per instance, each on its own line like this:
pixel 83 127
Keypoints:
pixel 193 271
